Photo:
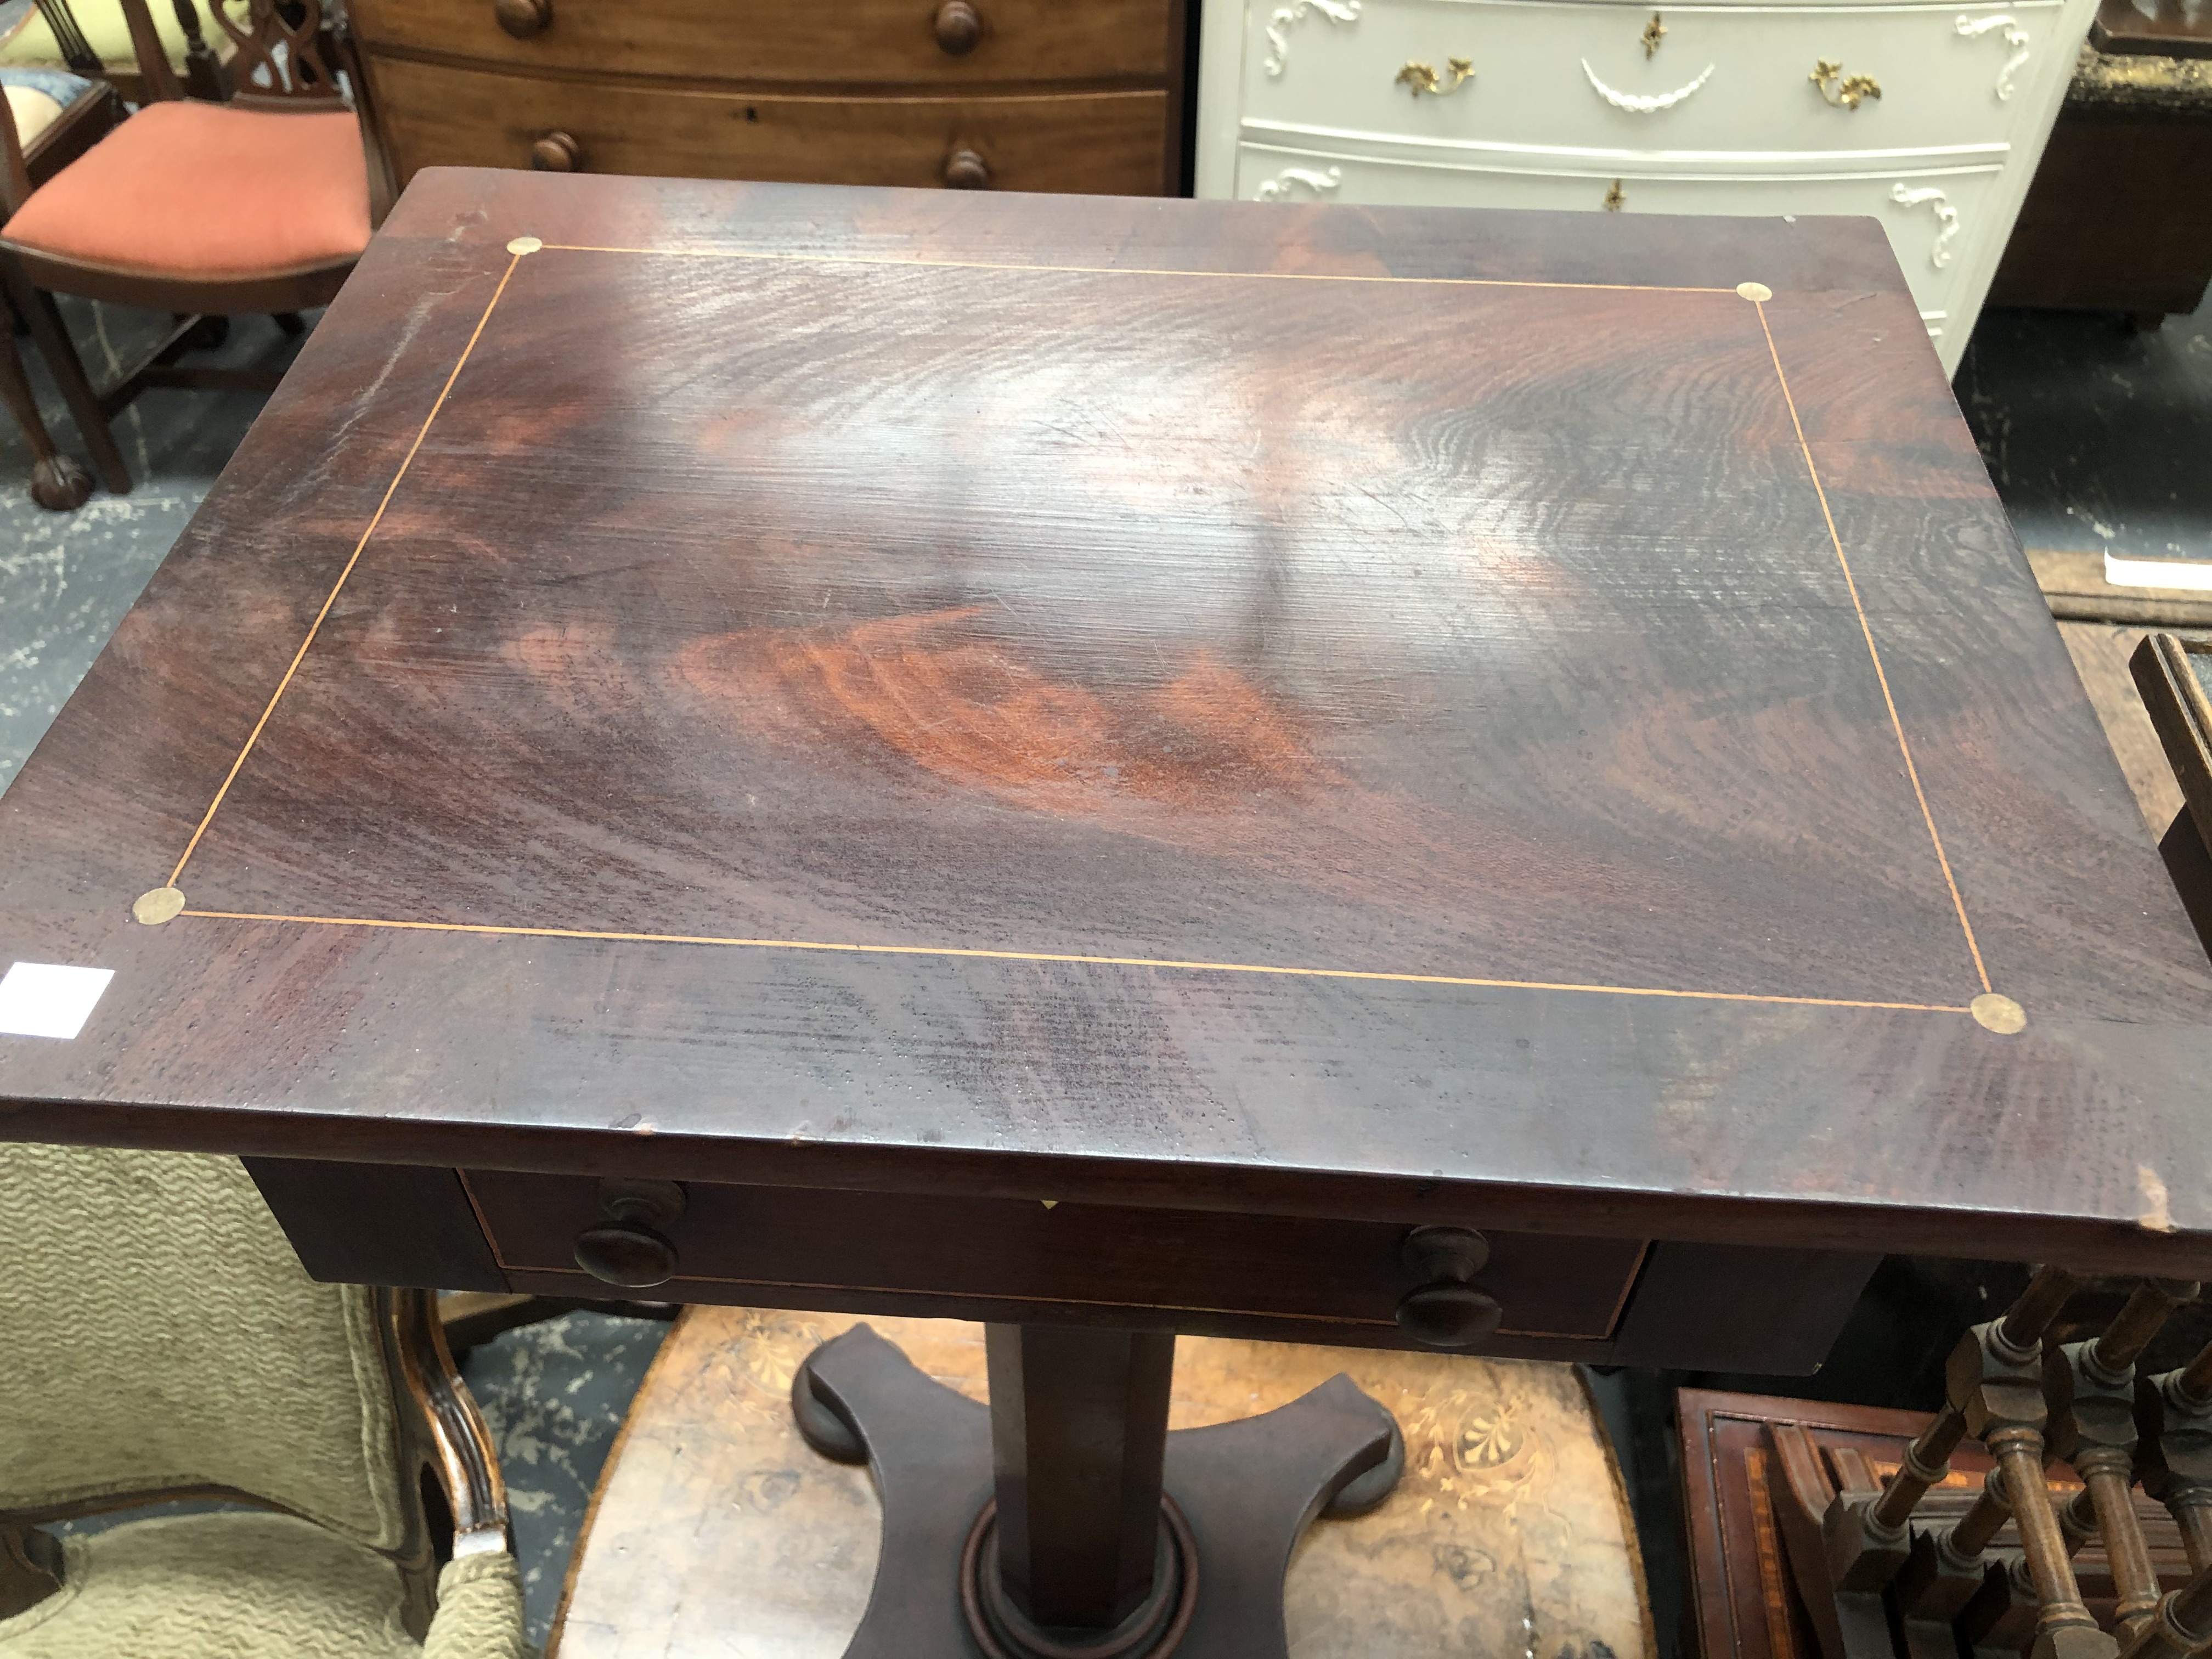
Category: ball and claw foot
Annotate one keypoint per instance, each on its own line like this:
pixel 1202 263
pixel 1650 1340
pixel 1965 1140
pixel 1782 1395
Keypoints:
pixel 59 484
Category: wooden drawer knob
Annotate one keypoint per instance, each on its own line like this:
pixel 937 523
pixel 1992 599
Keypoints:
pixel 1445 1310
pixel 628 1247
pixel 958 26
pixel 523 18
pixel 965 170
pixel 557 152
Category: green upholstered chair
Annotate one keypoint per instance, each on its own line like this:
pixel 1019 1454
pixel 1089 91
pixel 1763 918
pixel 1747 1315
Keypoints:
pixel 158 1340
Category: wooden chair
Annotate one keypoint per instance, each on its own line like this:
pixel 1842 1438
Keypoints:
pixel 58 115
pixel 162 1342
pixel 261 204
pixel 56 481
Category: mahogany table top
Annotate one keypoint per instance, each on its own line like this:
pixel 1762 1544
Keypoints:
pixel 1538 718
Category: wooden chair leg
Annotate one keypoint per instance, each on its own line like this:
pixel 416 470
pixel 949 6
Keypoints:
pixel 58 483
pixel 38 310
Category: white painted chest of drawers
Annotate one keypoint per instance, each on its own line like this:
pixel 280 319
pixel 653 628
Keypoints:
pixel 1928 118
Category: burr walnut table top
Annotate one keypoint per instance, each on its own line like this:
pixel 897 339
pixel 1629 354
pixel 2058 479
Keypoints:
pixel 1527 718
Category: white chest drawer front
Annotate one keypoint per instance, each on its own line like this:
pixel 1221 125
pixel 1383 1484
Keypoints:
pixel 1598 75
pixel 1935 219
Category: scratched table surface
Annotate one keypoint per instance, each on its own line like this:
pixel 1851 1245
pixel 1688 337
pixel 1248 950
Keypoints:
pixel 1305 708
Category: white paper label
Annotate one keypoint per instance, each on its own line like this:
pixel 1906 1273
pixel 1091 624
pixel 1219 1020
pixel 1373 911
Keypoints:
pixel 43 1000
pixel 2157 573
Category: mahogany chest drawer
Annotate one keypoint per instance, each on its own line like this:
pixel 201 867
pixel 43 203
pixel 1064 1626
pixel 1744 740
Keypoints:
pixel 1011 1259
pixel 883 41
pixel 1109 144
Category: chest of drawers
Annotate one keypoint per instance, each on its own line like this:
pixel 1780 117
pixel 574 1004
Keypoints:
pixel 1016 94
pixel 1928 119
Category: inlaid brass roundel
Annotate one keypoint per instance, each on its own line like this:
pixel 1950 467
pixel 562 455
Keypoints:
pixel 2000 1014
pixel 160 905
pixel 1755 291
pixel 525 245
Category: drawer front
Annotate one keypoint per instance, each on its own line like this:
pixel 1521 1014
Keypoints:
pixel 1101 143
pixel 1729 79
pixel 851 41
pixel 1937 220
pixel 1016 1258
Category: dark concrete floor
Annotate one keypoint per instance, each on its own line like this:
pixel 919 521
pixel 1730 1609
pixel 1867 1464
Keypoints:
pixel 555 1396
pixel 67 578
pixel 2096 438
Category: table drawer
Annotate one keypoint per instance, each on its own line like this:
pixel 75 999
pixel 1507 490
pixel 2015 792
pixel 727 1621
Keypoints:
pixel 1103 143
pixel 1936 217
pixel 790 1247
pixel 1724 78
pixel 853 41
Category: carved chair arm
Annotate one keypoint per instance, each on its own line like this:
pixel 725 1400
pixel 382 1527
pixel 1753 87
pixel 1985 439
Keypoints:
pixel 459 1443
pixel 14 171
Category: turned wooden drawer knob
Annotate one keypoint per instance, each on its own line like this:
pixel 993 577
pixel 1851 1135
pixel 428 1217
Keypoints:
pixel 1445 1310
pixel 966 170
pixel 557 152
pixel 523 18
pixel 629 1246
pixel 958 26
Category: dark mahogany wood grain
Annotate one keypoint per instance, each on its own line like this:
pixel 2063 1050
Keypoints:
pixel 380 1224
pixel 2173 31
pixel 1492 633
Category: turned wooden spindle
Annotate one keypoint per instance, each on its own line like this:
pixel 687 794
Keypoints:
pixel 2145 1311
pixel 2090 1391
pixel 2195 1521
pixel 1926 1461
pixel 2193 1382
pixel 2024 1323
pixel 2183 1626
pixel 1946 1574
pixel 1967 1537
pixel 2135 1576
pixel 2018 1449
pixel 1993 1383
pixel 1995 1379
pixel 2015 1336
pixel 2174 1413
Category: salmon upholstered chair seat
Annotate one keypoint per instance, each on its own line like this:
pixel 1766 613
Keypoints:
pixel 206 192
